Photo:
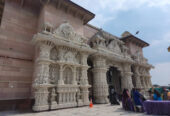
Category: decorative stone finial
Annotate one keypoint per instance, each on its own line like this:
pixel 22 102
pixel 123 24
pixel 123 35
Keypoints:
pixel 126 33
pixel 47 28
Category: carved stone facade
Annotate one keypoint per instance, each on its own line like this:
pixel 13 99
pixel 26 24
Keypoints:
pixel 60 69
pixel 60 76
pixel 51 54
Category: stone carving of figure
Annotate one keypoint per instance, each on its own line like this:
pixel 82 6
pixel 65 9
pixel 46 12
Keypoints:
pixel 67 75
pixel 69 57
pixel 54 74
pixel 53 96
pixel 117 47
pixel 111 45
pixel 42 76
pixel 98 41
pixel 138 55
pixel 114 46
pixel 66 31
pixel 77 58
pixel 44 53
pixel 54 54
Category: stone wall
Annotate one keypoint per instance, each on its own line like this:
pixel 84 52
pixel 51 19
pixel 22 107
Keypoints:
pixel 56 17
pixel 134 49
pixel 19 24
pixel 89 31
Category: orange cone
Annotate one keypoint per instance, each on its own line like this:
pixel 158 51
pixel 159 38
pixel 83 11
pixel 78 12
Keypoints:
pixel 91 104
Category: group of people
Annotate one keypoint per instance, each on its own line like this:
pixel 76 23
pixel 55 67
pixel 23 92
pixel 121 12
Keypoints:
pixel 133 101
pixel 159 94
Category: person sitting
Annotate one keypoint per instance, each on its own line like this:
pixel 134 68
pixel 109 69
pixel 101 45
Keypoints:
pixel 156 95
pixel 126 101
pixel 138 100
pixel 151 91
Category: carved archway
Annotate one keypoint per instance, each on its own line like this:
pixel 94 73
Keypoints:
pixel 53 54
pixel 118 70
pixel 90 78
pixel 114 79
pixel 67 75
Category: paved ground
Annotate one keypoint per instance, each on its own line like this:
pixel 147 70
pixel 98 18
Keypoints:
pixel 97 110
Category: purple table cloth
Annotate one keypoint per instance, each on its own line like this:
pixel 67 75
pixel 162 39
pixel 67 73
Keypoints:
pixel 157 107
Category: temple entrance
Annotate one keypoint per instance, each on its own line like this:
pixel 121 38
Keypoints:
pixel 90 79
pixel 114 81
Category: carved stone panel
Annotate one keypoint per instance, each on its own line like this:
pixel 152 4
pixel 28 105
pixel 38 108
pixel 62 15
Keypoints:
pixel 67 32
pixel 67 75
pixel 54 74
pixel 54 54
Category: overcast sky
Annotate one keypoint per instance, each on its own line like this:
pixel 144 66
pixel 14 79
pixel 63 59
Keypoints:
pixel 150 17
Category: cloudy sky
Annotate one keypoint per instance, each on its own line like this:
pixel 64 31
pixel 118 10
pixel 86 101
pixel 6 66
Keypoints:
pixel 150 17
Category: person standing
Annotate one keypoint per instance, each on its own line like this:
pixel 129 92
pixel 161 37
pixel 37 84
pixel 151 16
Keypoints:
pixel 126 101
pixel 165 94
pixel 157 95
pixel 114 98
pixel 168 94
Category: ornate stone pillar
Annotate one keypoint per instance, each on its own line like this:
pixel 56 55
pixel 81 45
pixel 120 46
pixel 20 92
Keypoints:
pixel 84 85
pixel 146 82
pixel 60 80
pixel 60 54
pixel 100 86
pixel 148 78
pixel 44 51
pixel 84 68
pixel 41 98
pixel 84 78
pixel 126 79
pixel 41 78
pixel 137 77
pixel 74 76
pixel 143 81
pixel 150 82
